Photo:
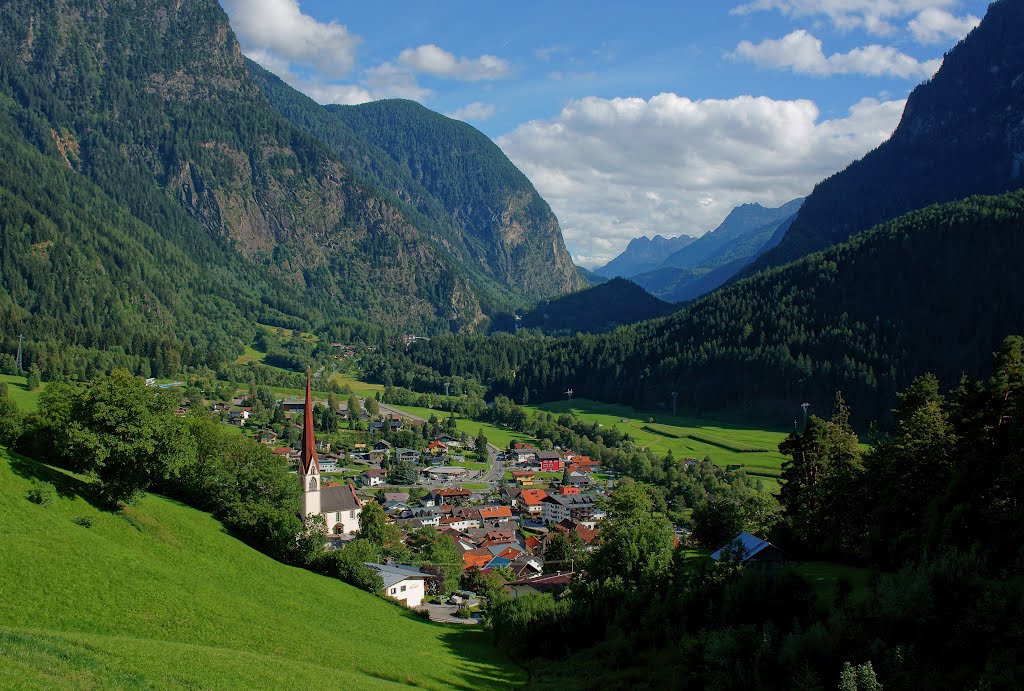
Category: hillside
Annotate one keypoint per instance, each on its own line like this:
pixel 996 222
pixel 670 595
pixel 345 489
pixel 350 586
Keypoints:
pixel 158 205
pixel 961 134
pixel 597 309
pixel 927 292
pixel 454 181
pixel 163 598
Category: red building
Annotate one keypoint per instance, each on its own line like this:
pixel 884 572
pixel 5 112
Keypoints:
pixel 550 461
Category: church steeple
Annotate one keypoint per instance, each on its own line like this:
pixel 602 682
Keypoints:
pixel 309 466
pixel 308 462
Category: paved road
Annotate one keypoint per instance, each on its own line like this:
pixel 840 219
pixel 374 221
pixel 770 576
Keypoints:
pixel 445 614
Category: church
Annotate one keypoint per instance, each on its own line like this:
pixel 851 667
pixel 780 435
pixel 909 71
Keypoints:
pixel 338 504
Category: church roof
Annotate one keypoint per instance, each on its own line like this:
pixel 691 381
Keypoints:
pixel 308 464
pixel 339 498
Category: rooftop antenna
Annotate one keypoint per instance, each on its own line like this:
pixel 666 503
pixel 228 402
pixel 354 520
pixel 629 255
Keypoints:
pixel 20 368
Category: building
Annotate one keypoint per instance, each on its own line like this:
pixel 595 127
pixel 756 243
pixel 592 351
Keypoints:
pixel 373 477
pixel 750 550
pixel 576 507
pixel 338 504
pixel 403 583
pixel 550 461
pixel 531 503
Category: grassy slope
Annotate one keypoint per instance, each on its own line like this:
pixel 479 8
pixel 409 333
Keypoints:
pixel 499 436
pixel 27 400
pixel 160 596
pixel 762 463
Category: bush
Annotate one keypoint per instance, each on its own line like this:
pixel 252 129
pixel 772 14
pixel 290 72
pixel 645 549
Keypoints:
pixel 43 494
pixel 84 521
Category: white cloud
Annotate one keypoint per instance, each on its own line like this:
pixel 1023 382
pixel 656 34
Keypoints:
pixel 477 111
pixel 937 26
pixel 388 80
pixel 614 169
pixel 800 51
pixel 435 61
pixel 279 29
pixel 874 16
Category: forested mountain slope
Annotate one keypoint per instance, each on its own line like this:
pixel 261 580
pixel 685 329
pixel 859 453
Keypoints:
pixel 169 158
pixel 596 309
pixel 451 178
pixel 962 133
pixel 935 290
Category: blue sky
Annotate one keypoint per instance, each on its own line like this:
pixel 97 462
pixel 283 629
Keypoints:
pixel 654 118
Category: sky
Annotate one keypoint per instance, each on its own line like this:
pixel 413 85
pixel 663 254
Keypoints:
pixel 654 118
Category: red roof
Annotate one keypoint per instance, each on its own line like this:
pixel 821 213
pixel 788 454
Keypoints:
pixel 282 451
pixel 478 558
pixel 532 542
pixel 496 512
pixel 532 497
pixel 454 492
pixel 522 446
pixel 523 473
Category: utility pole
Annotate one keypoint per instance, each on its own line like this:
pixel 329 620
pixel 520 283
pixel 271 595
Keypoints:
pixel 805 406
pixel 20 368
pixel 446 385
pixel 569 393
pixel 675 394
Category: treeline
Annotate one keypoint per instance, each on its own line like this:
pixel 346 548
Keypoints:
pixel 926 292
pixel 935 504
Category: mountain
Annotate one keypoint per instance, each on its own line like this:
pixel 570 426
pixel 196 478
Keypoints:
pixel 740 235
pixel 643 254
pixel 448 176
pixel 717 256
pixel 935 290
pixel 961 134
pixel 164 598
pixel 590 277
pixel 595 310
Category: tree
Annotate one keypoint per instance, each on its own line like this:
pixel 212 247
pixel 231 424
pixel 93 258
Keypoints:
pixel 442 558
pixel 32 378
pixel 354 407
pixel 11 421
pixel 481 444
pixel 372 407
pixel 635 545
pixel 372 523
pixel 127 435
pixel 564 552
pixel 717 520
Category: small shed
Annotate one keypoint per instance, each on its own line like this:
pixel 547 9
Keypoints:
pixel 751 550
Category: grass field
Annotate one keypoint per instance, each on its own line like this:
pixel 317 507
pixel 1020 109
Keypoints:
pixel 726 443
pixel 27 400
pixel 499 436
pixel 158 596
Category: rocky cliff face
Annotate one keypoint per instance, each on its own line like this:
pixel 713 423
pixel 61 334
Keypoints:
pixel 161 86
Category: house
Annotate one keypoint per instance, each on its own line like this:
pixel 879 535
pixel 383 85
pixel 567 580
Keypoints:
pixel 409 455
pixel 266 436
pixel 373 477
pixel 452 495
pixel 585 534
pixel 578 479
pixel 552 583
pixel 476 558
pixel 383 445
pixel 437 448
pixel 522 452
pixel 576 507
pixel 239 417
pixel 524 478
pixel 444 473
pixel 404 583
pixel 568 489
pixel 531 502
pixel 750 550
pixel 495 513
pixel 550 461
pixel 329 467
pixel 285 451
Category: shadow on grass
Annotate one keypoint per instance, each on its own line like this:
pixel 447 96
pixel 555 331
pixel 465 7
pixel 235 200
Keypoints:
pixel 67 485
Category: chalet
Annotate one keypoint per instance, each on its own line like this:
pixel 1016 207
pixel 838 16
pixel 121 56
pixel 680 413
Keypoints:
pixel 477 558
pixel 550 461
pixel 376 455
pixel 531 502
pixel 522 452
pixel 495 513
pixel 452 495
pixel 373 477
pixel 239 417
pixel 751 551
pixel 285 451
pixel 578 479
pixel 409 455
pixel 437 448
pixel 585 534
pixel 383 445
pixel 329 467
pixel 524 478
pixel 403 583
pixel 576 507
pixel 267 436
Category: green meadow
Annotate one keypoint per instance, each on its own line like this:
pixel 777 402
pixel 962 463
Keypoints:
pixel 159 596
pixel 27 400
pixel 755 449
pixel 499 436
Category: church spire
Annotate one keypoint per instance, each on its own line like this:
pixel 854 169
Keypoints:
pixel 308 464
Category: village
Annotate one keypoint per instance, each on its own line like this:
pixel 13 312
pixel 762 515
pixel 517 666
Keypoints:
pixel 501 507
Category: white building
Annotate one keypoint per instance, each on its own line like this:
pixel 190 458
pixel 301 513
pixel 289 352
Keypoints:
pixel 403 583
